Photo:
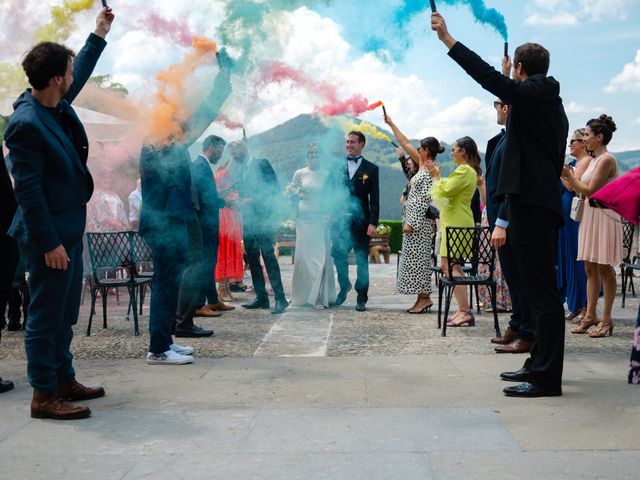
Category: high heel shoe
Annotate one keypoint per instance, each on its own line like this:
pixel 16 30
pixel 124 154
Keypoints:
pixel 604 329
pixel 584 326
pixel 425 309
pixel 470 320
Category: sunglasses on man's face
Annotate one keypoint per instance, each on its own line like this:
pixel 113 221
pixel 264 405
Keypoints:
pixel 497 104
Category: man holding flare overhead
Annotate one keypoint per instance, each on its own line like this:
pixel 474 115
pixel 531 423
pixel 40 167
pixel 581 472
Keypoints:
pixel 528 180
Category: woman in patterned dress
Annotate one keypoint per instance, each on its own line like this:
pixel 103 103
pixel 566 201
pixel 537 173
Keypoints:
pixel 414 273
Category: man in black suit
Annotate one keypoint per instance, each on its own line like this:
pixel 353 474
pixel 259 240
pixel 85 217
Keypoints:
pixel 357 222
pixel 517 337
pixel 533 158
pixel 8 246
pixel 260 202
pixel 49 149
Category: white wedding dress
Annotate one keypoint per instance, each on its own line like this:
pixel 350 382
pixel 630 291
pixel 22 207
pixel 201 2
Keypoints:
pixel 313 274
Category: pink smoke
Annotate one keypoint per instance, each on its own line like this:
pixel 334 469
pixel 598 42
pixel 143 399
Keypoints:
pixel 227 122
pixel 178 32
pixel 279 72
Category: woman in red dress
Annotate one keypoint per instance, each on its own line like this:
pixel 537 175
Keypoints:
pixel 230 264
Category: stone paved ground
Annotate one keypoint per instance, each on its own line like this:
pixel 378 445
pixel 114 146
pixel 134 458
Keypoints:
pixel 328 395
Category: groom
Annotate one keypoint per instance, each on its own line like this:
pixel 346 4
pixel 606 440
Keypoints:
pixel 357 222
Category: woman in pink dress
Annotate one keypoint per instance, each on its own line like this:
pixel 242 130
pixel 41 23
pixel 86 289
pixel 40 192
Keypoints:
pixel 600 232
pixel 230 264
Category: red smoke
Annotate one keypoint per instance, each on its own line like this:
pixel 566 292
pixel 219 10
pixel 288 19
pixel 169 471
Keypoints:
pixel 278 72
pixel 227 122
pixel 178 32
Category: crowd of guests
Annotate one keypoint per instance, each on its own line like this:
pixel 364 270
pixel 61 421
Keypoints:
pixel 204 221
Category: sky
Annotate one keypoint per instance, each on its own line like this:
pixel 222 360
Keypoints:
pixel 594 45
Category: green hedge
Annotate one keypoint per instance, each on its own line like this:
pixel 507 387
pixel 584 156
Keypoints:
pixel 395 237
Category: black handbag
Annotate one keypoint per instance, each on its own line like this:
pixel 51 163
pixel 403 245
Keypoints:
pixel 433 213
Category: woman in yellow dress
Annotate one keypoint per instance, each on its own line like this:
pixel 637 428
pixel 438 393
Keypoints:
pixel 453 196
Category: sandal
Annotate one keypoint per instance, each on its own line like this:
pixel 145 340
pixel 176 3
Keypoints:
pixel 577 318
pixel 604 329
pixel 584 326
pixel 470 320
pixel 424 309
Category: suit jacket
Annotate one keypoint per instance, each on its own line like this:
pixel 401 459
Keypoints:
pixel 52 182
pixel 208 198
pixel 168 190
pixel 7 197
pixel 496 206
pixel 259 185
pixel 364 189
pixel 536 133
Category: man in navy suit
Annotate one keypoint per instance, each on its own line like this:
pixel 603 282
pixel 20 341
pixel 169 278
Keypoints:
pixel 517 337
pixel 198 282
pixel 356 223
pixel 169 219
pixel 49 150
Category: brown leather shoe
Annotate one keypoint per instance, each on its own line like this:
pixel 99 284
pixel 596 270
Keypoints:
pixel 205 312
pixel 50 405
pixel 70 389
pixel 219 306
pixel 509 336
pixel 517 346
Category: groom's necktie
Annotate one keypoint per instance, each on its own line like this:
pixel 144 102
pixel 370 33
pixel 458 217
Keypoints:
pixel 354 159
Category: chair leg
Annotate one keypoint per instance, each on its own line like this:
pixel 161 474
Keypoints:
pixel 624 285
pixel 440 288
pixel 105 294
pixel 117 295
pixel 494 293
pixel 477 299
pixel 141 295
pixel 134 307
pixel 94 296
pixel 447 305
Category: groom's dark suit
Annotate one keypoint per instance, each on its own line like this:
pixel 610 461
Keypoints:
pixel 349 229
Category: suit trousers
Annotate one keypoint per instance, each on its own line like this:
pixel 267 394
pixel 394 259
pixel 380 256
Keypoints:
pixel 169 254
pixel 190 286
pixel 255 245
pixel 53 311
pixel 208 262
pixel 11 257
pixel 534 237
pixel 519 321
pixel 346 237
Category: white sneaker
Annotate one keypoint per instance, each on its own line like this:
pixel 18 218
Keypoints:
pixel 168 358
pixel 181 349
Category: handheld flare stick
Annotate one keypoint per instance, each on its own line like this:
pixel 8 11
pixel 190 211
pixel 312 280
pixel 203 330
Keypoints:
pixel 506 49
pixel 104 4
pixel 433 6
pixel 244 135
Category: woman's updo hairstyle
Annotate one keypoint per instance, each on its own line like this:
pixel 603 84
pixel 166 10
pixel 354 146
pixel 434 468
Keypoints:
pixel 604 125
pixel 432 145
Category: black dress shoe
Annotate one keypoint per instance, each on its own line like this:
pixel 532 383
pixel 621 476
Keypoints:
pixel 5 385
pixel 14 326
pixel 360 307
pixel 521 375
pixel 342 296
pixel 194 332
pixel 257 303
pixel 280 306
pixel 530 391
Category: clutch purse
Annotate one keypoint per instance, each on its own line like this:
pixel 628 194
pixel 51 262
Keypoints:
pixel 577 208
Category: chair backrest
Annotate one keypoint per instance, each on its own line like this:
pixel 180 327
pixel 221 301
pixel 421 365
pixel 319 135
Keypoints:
pixel 109 251
pixel 627 239
pixel 470 247
pixel 141 252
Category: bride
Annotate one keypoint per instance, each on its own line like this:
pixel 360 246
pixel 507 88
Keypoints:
pixel 313 278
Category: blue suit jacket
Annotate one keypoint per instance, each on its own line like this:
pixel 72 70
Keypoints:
pixel 52 182
pixel 208 198
pixel 496 206
pixel 165 170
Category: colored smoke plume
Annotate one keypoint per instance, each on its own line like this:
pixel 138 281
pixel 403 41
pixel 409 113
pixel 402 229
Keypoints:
pixel 62 20
pixel 368 129
pixel 279 72
pixel 171 109
pixel 227 122
pixel 177 31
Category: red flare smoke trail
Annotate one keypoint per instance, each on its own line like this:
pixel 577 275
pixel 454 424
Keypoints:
pixel 278 72
pixel 227 122
pixel 178 32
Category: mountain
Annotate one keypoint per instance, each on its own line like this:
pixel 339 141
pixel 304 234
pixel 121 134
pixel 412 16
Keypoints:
pixel 286 145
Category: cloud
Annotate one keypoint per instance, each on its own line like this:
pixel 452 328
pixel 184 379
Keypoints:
pixel 575 107
pixel 635 121
pixel 569 13
pixel 628 80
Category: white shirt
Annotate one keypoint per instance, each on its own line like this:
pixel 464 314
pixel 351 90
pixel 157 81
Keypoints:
pixel 135 202
pixel 353 167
